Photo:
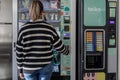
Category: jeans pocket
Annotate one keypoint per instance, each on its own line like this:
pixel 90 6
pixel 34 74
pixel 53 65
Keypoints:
pixel 48 69
pixel 30 76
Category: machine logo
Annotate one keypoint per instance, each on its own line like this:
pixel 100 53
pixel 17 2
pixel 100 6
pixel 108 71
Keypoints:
pixel 94 9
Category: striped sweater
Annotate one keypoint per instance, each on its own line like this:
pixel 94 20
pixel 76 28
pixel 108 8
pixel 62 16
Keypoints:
pixel 34 48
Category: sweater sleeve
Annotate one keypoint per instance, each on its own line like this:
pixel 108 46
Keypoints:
pixel 58 44
pixel 19 52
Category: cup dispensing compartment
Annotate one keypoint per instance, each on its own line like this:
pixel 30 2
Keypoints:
pixel 94 62
pixel 94 52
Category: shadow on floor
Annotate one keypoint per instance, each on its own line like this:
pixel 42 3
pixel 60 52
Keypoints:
pixel 5 68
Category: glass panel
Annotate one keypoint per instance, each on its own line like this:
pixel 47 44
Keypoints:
pixel 94 41
pixel 57 17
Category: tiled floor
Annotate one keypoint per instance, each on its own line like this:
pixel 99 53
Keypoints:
pixel 5 68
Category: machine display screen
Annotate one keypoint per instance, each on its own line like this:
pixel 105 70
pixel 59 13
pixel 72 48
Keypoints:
pixel 112 22
pixel 94 12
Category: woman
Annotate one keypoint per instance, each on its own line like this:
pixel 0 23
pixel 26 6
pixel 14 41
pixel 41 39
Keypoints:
pixel 34 48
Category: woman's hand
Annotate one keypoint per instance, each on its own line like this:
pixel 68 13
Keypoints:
pixel 21 76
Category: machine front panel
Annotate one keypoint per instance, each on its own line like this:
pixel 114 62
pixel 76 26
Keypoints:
pixel 97 39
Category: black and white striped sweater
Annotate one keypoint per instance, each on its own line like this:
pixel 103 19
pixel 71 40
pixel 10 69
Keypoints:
pixel 34 48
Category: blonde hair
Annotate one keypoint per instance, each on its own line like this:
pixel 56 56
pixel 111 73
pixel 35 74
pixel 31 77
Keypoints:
pixel 36 9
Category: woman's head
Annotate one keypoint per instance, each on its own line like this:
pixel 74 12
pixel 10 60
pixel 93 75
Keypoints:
pixel 36 10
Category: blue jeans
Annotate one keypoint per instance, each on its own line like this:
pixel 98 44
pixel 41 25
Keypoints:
pixel 42 74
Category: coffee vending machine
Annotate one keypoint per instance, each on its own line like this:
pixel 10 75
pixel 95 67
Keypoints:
pixel 61 14
pixel 97 40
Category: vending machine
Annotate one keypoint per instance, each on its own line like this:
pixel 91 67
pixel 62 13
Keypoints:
pixel 59 14
pixel 97 40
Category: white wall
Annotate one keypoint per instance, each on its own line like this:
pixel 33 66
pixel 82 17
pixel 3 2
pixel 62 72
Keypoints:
pixel 6 11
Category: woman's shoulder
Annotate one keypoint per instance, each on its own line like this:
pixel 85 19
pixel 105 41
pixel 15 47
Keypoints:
pixel 46 24
pixel 41 24
pixel 24 26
